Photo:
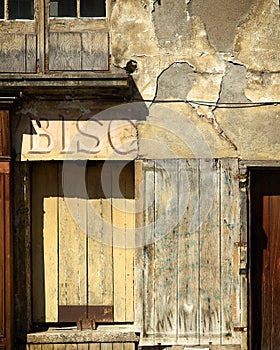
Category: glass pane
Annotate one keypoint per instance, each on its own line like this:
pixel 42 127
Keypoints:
pixel 93 8
pixel 63 8
pixel 21 9
pixel 1 9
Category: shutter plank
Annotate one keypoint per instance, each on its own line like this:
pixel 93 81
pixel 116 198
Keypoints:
pixel 166 249
pixel 119 224
pixel 210 297
pixel 230 255
pixel 100 289
pixel 188 252
pixel 50 236
pixel 44 230
pixel 148 249
pixel 72 247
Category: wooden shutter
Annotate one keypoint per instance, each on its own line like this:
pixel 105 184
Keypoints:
pixel 191 281
pixel 77 44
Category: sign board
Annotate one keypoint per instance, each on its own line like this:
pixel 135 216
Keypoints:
pixel 81 138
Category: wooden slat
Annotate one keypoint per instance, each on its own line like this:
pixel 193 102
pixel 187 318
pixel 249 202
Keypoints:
pixel 148 249
pixel 30 53
pixel 123 240
pixel 44 238
pixel 22 244
pixel 127 181
pixel 138 260
pixel 72 246
pixel 50 242
pixel 166 249
pixel 128 346
pixel 47 347
pixel 210 297
pixel 106 346
pixel 230 254
pixel 188 252
pixel 119 225
pixel 65 51
pixel 95 50
pixel 44 230
pixel 59 347
pixel 71 347
pixel 118 346
pixel 2 255
pixel 94 346
pixel 82 346
pixel 100 271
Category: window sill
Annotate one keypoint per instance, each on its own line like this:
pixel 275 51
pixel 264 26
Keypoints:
pixel 72 335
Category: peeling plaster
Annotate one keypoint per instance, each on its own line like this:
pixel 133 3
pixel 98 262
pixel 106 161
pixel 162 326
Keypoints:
pixel 257 43
pixel 221 19
pixel 175 81
pixel 233 84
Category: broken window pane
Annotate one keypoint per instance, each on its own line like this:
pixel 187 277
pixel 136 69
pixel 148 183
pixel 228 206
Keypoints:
pixel 21 9
pixel 1 9
pixel 93 8
pixel 63 8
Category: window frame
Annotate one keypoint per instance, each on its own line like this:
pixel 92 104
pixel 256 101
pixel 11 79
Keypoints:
pixel 6 16
pixel 78 16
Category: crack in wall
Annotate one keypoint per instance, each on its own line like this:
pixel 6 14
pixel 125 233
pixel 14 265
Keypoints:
pixel 204 112
pixel 210 117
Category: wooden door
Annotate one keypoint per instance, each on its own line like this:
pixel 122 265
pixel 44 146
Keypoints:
pixel 265 260
pixel 271 274
pixel 82 245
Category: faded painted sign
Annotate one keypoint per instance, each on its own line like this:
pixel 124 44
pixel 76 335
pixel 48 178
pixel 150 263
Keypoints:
pixel 75 138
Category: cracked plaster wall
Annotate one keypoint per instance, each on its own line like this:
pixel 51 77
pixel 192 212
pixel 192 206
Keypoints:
pixel 214 51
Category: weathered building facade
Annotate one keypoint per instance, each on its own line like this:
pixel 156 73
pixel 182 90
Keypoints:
pixel 139 174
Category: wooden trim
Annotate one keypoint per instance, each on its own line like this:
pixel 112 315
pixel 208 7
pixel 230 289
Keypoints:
pixel 9 260
pixel 5 133
pixel 6 264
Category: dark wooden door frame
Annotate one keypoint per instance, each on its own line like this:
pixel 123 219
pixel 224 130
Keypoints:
pixel 262 181
pixel 6 308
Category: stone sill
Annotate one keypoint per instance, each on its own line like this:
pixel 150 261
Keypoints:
pixel 72 335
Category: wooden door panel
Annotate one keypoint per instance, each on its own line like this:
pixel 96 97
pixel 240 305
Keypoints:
pixel 271 273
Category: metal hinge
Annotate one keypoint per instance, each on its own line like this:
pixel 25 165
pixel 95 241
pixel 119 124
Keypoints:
pixel 240 244
pixel 240 329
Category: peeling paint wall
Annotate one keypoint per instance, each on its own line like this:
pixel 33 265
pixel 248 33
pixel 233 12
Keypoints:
pixel 216 52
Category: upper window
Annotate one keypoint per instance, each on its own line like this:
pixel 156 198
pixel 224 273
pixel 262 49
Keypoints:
pixel 78 8
pixel 17 9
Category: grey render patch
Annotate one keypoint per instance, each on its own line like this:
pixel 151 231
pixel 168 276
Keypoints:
pixel 221 18
pixel 171 21
pixel 233 84
pixel 175 82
